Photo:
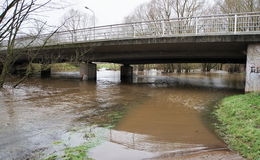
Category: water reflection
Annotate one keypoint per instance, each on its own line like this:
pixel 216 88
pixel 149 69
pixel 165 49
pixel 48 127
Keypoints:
pixel 208 80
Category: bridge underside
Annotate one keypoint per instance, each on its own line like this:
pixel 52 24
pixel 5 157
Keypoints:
pixel 172 53
pixel 157 50
pixel 196 49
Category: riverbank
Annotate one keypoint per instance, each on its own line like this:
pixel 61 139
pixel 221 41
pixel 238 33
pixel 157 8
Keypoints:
pixel 239 123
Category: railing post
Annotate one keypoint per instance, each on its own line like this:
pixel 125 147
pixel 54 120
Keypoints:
pixel 235 25
pixel 110 32
pixel 163 28
pixel 117 32
pixel 196 25
pixel 134 29
pixel 94 33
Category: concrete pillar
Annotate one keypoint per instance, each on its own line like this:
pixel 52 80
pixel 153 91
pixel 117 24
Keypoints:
pixel 126 74
pixel 45 71
pixel 253 68
pixel 88 71
pixel 1 68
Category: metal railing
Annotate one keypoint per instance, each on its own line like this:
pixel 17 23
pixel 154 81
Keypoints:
pixel 242 23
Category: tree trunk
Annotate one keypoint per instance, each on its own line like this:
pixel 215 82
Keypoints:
pixel 209 67
pixel 203 65
pixel 221 67
pixel 179 68
pixel 6 66
pixel 140 67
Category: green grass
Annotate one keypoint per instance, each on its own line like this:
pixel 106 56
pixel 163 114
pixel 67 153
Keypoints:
pixel 239 123
pixel 67 67
pixel 36 67
pixel 57 67
pixel 64 67
pixel 79 152
pixel 110 66
pixel 73 153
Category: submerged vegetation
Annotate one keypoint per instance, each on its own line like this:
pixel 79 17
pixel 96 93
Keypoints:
pixel 89 138
pixel 73 153
pixel 239 123
pixel 114 118
pixel 107 119
pixel 92 136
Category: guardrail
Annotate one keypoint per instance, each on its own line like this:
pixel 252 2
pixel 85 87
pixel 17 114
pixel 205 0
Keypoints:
pixel 242 23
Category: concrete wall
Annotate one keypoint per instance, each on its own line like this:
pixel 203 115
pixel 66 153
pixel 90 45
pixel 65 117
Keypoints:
pixel 88 71
pixel 253 68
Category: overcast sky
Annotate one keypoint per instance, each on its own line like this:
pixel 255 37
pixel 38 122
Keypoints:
pixel 106 11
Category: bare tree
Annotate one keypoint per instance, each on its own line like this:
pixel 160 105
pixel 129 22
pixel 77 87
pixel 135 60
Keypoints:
pixel 74 21
pixel 237 6
pixel 12 17
pixel 16 14
pixel 166 9
pixel 31 53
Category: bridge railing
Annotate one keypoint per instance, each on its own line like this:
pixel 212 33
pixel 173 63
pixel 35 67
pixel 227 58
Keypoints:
pixel 243 23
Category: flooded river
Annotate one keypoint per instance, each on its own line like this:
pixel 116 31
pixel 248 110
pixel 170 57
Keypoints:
pixel 168 116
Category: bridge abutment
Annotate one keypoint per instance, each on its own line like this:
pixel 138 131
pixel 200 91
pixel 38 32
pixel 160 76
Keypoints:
pixel 45 71
pixel 88 71
pixel 126 74
pixel 253 68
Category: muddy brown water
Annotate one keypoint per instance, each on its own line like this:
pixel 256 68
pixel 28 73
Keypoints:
pixel 168 115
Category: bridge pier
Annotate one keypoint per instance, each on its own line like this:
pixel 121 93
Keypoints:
pixel 45 71
pixel 126 74
pixel 88 71
pixel 253 68
pixel 1 68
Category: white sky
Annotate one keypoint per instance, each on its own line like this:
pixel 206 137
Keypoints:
pixel 106 11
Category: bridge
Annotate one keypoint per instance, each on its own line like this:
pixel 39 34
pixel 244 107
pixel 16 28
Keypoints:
pixel 230 38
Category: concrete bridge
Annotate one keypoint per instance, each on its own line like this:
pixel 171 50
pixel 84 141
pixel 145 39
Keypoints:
pixel 232 38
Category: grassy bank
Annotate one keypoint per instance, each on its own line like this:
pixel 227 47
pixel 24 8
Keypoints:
pixel 239 123
pixel 110 66
pixel 64 67
pixel 57 67
pixel 67 67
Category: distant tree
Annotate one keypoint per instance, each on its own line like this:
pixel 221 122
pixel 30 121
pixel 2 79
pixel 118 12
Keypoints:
pixel 238 6
pixel 73 21
pixel 165 9
pixel 207 67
